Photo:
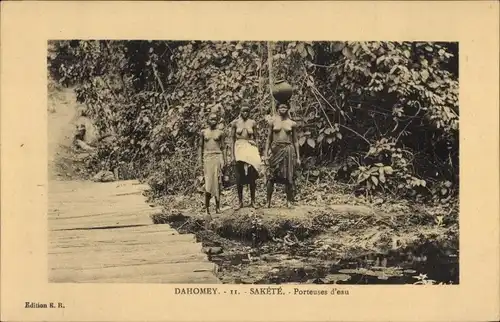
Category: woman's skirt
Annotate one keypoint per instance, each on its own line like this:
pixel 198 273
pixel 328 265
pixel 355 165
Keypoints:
pixel 282 162
pixel 246 152
pixel 212 167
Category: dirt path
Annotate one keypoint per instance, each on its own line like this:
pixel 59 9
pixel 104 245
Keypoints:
pixel 62 112
pixel 63 116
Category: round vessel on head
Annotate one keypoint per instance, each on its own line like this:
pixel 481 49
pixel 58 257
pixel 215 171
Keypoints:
pixel 282 91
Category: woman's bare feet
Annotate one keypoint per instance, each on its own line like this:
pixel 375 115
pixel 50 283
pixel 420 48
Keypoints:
pixel 207 218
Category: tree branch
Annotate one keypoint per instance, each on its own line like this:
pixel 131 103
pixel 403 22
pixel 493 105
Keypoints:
pixel 345 127
pixel 155 72
pixel 349 129
pixel 411 120
pixel 270 66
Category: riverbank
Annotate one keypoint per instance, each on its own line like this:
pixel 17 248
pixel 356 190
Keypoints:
pixel 339 243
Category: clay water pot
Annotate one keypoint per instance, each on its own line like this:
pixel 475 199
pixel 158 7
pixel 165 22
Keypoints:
pixel 282 91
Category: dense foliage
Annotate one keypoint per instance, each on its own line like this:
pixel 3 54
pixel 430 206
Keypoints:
pixel 380 115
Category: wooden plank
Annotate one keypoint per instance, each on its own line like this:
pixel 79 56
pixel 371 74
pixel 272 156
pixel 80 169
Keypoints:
pixel 108 220
pixel 153 238
pixel 99 213
pixel 115 232
pixel 83 182
pixel 94 187
pixel 96 190
pixel 105 259
pixel 134 251
pixel 126 197
pixel 157 238
pixel 127 222
pixel 96 205
pixel 179 278
pixel 151 228
pixel 140 192
pixel 81 209
pixel 68 200
pixel 119 234
pixel 161 246
pixel 88 213
pixel 89 246
pixel 128 272
pixel 176 246
pixel 95 195
pixel 56 186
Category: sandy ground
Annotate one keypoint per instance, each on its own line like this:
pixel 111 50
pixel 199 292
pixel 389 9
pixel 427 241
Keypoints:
pixel 63 116
pixel 62 113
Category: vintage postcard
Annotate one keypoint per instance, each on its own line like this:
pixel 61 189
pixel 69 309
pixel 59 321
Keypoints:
pixel 250 161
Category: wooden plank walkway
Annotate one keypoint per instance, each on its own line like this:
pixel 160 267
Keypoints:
pixel 103 233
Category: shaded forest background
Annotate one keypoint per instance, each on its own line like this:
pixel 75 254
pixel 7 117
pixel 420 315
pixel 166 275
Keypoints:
pixel 380 118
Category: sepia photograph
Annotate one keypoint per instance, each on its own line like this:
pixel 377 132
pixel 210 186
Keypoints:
pixel 253 162
pixel 194 161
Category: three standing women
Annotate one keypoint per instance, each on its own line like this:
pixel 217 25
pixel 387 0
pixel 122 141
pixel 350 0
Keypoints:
pixel 281 142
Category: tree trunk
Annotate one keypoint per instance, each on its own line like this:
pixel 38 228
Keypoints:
pixel 271 80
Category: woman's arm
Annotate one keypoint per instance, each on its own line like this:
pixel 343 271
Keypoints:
pixel 295 142
pixel 223 148
pixel 255 133
pixel 233 140
pixel 202 147
pixel 269 140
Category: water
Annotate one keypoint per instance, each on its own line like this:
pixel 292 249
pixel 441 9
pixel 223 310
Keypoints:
pixel 268 264
pixel 370 269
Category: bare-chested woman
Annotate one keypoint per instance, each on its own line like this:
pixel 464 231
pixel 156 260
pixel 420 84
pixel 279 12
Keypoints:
pixel 284 146
pixel 245 154
pixel 213 159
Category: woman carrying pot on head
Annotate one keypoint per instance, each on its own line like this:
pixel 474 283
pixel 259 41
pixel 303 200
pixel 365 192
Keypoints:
pixel 284 146
pixel 245 154
pixel 213 159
